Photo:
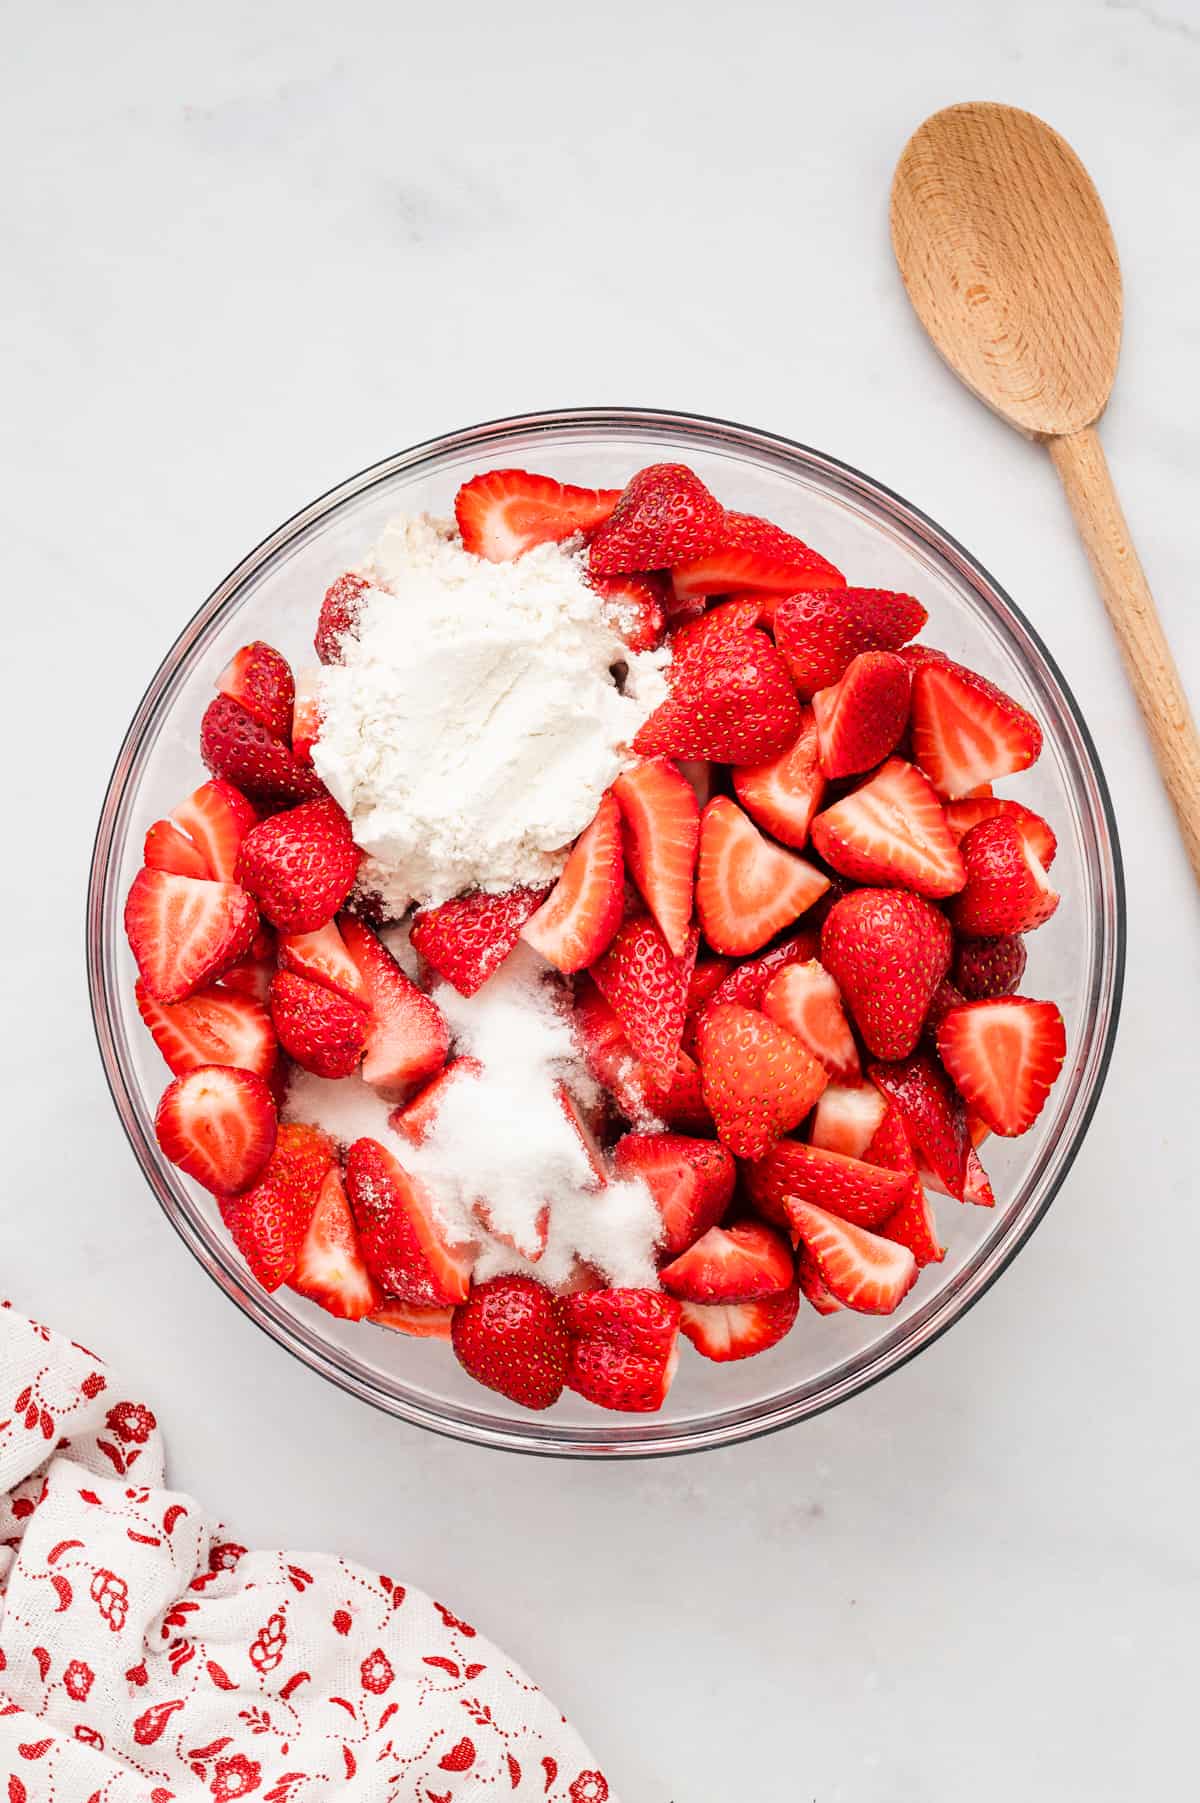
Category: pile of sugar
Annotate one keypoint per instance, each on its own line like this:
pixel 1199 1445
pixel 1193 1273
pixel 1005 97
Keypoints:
pixel 503 1137
pixel 475 723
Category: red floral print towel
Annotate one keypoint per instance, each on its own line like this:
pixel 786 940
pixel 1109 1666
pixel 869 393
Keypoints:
pixel 146 1656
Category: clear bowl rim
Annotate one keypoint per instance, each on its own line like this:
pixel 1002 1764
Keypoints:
pixel 535 1438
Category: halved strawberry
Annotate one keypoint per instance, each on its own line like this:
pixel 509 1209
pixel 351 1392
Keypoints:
pixel 1007 889
pixel 663 516
pixel 783 794
pixel 211 1027
pixel 739 1330
pixel 236 746
pixel 509 1335
pixel 269 1223
pixel 862 1270
pixel 420 1323
pixel 468 938
pixel 892 829
pixel 805 999
pixel 218 1125
pixel 747 981
pixel 660 817
pixel 583 910
pixel 758 1081
pixel 737 1263
pixel 986 968
pixel 965 730
pixel 404 1248
pixel 166 848
pixel 820 631
pixel 812 1285
pixel 261 679
pixel 847 1119
pixel 321 1030
pixel 647 986
pixel 322 958
pixel 634 607
pixel 503 513
pixel 848 1187
pixel 339 616
pixel 691 1181
pixel 754 555
pixel 1004 1056
pixel 747 889
pixel 330 1269
pixel 731 699
pixel 415 1119
pixel 408 1038
pixel 887 951
pixel 184 932
pixel 861 717
pixel 623 1347
pixel 216 818
pixel 300 865
pixel 932 1114
pixel 306 714
pixel 1038 834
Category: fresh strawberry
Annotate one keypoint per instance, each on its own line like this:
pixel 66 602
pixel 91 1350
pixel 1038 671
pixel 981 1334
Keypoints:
pixel 509 1335
pixel 945 997
pixel 415 1119
pixel 731 699
pixel 847 1119
pixel 758 1081
pixel 812 1285
pixel 1007 889
pixel 216 818
pixel 783 794
pixel 583 910
pixel 691 1181
pixel 804 998
pixel 821 630
pixel 611 1060
pixel 647 986
pixel 753 555
pixel 322 958
pixel 339 616
pixel 747 889
pixel 913 1225
pixel 411 1318
pixel 249 977
pixel 329 1269
pixel 986 968
pixel 589 1145
pixel 747 981
pixel 402 1244
pixel 504 513
pixel 861 1270
pixel 237 747
pixel 468 938
pixel 977 1187
pixel 218 1125
pixel 660 817
pixel 887 951
pixel 892 829
pixel 861 717
pixel 166 848
pixel 931 1114
pixel 739 1330
pixel 184 931
pixel 707 978
pixel 300 865
pixel 738 1263
pixel 664 516
pixel 723 621
pixel 1003 1057
pixel 318 1028
pixel 634 607
pixel 966 731
pixel 1038 834
pixel 261 679
pixel 407 1039
pixel 623 1347
pixel 211 1027
pixel 306 714
pixel 269 1223
pixel 699 775
pixel 848 1187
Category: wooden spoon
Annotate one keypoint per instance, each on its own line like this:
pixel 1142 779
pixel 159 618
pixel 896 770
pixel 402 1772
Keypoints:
pixel 1009 260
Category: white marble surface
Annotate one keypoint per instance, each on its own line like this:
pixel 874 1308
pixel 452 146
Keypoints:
pixel 249 249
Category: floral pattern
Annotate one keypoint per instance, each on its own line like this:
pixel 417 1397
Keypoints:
pixel 144 1654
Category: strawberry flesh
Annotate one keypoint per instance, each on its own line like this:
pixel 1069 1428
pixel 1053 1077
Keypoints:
pixel 739 1330
pixel 218 1125
pixel 862 1270
pixel 753 555
pixel 184 932
pixel 329 1267
pixel 1003 1057
pixel 892 829
pixel 738 1263
pixel 965 730
pixel 748 889
pixel 407 1037
pixel 660 819
pixel 783 794
pixel 214 1026
pixel 583 910
pixel 402 1245
pixel 504 513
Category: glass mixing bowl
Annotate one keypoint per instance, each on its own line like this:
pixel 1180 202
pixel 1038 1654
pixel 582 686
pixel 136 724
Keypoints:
pixel 879 540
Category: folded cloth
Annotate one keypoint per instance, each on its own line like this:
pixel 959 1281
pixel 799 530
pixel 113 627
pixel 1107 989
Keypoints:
pixel 145 1655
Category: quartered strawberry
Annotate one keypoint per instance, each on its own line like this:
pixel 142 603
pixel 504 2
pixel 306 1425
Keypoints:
pixel 415 1119
pixel 783 794
pixel 218 1125
pixel 468 938
pixel 739 1330
pixel 300 865
pixel 210 1027
pixel 913 1225
pixel 1038 834
pixel 506 512
pixel 166 848
pixel 747 981
pixel 966 731
pixel 805 999
pixel 339 616
pixel 932 1116
pixel 731 700
pixel 707 978
pixel 647 987
pixel 848 1187
pixel 747 889
pixel 634 607
pixel 986 968
pixel 945 997
pixel 812 1285
pixel 322 957
pixel 269 1223
pixel 583 910
pixel 660 817
pixel 216 818
pixel 861 1270
pixel 977 1188
pixel 861 717
pixel 407 1039
pixel 738 1263
pixel 329 1268
pixel 509 1335
pixel 691 1181
pixel 758 1081
pixel 623 1347
pixel 402 1244
pixel 261 679
pixel 846 1119
pixel 184 931
pixel 664 516
pixel 236 746
pixel 753 555
pixel 589 1145
pixel 819 631
pixel 723 620
pixel 611 1060
pixel 411 1318
pixel 887 951
pixel 321 1030
pixel 306 714
pixel 892 829
pixel 249 977
pixel 1007 889
pixel 1003 1057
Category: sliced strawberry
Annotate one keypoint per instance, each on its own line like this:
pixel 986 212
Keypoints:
pixel 966 731
pixel 861 717
pixel 1038 834
pixel 402 1244
pixel 707 978
pixel 805 999
pixel 408 1038
pixel 1007 889
pixel 754 555
pixel 415 1119
pixel 664 516
pixel 739 1330
pixel 250 977
pixel 306 714
pixel 216 818
pixel 269 1223
pixel 529 1239
pixel 509 1335
pixel 724 621
pixel 913 1225
pixel 411 1318
pixel 1004 1056
pixel 647 987
pixel 931 1113
pixel 583 910
pixel 738 1263
pixel 218 1125
pixel 300 865
pixel 237 747
pixel 691 1181
pixel 699 775
pixel 330 1269
pixel 612 1062
pixel 731 699
pixel 504 513
pixel 977 1187
pixel 986 968
pixel 848 1187
pixel 261 679
pixel 660 817
pixel 322 958
pixel 812 1285
pixel 319 1029
pixel 339 616
pixel 468 938
pixel 820 631
pixel 892 829
pixel 783 794
pixel 758 1081
pixel 634 607
pixel 211 1027
pixel 887 951
pixel 747 889
pixel 623 1347
pixel 683 1106
pixel 747 981
pixel 166 848
pixel 588 1144
pixel 184 932
pixel 861 1270
pixel 846 1119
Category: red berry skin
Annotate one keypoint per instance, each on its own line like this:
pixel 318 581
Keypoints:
pixel 509 1335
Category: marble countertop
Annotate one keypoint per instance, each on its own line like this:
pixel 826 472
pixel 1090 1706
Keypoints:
pixel 250 249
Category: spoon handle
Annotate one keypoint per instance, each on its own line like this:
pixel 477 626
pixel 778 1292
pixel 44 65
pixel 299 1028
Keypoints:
pixel 1083 470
